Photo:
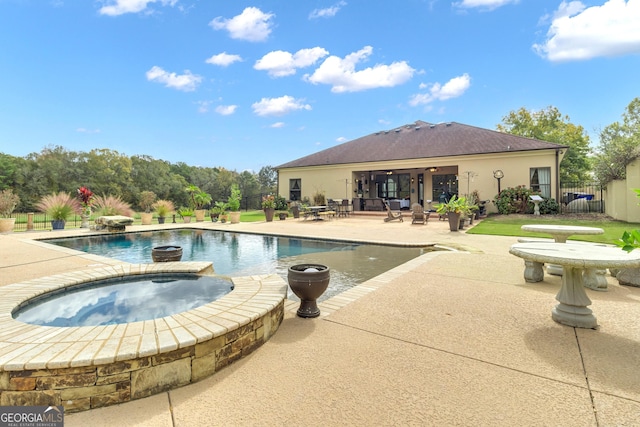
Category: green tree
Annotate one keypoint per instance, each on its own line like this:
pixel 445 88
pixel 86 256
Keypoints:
pixel 7 171
pixel 551 126
pixel 619 145
pixel 267 178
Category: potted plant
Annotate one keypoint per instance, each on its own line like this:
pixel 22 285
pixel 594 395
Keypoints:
pixel 147 198
pixel 86 199
pixel 163 208
pixel 269 207
pixel 221 209
pixel 8 203
pixel 453 209
pixel 185 213
pixel 295 209
pixel 234 204
pixel 59 207
pixel 214 213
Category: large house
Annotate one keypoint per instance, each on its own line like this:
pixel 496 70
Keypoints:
pixel 423 163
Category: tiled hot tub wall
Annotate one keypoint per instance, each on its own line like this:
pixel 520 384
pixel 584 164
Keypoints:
pixel 90 367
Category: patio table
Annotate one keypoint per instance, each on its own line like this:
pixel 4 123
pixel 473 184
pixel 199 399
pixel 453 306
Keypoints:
pixel 572 309
pixel 594 279
pixel 315 210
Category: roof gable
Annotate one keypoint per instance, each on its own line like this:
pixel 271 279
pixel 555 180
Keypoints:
pixel 422 140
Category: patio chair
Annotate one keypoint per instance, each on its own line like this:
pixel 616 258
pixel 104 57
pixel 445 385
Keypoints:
pixel 418 215
pixel 392 216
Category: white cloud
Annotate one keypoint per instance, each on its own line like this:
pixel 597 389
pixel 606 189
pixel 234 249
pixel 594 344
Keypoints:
pixel 279 63
pixel 85 130
pixel 279 106
pixel 226 110
pixel 578 33
pixel 342 76
pixel 120 7
pixel 328 12
pixel 186 82
pixel 437 92
pixel 277 125
pixel 484 4
pixel 252 25
pixel 341 139
pixel 223 59
pixel 203 106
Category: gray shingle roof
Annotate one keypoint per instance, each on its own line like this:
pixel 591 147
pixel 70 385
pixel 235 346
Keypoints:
pixel 421 140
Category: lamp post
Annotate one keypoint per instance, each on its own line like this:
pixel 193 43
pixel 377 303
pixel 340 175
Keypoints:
pixel 498 174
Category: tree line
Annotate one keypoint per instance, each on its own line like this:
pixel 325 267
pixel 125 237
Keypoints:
pixel 108 172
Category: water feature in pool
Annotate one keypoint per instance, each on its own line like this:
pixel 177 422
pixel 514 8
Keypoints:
pixel 123 300
pixel 242 254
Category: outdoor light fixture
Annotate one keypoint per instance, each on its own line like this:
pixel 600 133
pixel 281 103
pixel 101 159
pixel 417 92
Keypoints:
pixel 498 174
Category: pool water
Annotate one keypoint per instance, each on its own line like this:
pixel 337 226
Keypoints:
pixel 243 254
pixel 123 300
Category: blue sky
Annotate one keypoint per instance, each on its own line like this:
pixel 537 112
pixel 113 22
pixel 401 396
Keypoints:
pixel 244 85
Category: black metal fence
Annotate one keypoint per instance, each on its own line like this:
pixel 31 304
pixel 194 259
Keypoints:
pixel 40 222
pixel 581 197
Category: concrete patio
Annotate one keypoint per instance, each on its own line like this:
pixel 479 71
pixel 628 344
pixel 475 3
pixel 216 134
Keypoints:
pixel 451 338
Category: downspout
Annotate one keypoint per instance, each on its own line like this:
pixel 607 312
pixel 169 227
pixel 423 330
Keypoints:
pixel 558 175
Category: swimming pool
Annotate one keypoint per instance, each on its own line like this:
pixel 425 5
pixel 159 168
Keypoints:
pixel 243 254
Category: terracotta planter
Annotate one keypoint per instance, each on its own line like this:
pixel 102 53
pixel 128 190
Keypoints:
pixel 186 219
pixel 166 253
pixel 146 218
pixel 234 217
pixel 308 282
pixel 269 213
pixel 200 213
pixel 7 224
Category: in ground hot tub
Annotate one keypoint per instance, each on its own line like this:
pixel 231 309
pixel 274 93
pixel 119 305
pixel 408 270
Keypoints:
pixel 84 367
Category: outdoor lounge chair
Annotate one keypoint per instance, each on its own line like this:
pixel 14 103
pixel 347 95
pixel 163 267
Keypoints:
pixel 392 216
pixel 418 215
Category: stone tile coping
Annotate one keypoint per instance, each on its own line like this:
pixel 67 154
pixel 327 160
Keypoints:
pixel 30 347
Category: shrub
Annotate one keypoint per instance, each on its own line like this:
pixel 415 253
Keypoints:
pixel 147 198
pixel 112 205
pixel 281 203
pixel 8 203
pixel 163 207
pixel 514 200
pixel 549 207
pixel 59 206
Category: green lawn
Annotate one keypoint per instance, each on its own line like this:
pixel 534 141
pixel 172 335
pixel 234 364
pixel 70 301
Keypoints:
pixel 506 225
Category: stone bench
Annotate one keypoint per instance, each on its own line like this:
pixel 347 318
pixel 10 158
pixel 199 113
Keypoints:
pixel 593 278
pixel 113 223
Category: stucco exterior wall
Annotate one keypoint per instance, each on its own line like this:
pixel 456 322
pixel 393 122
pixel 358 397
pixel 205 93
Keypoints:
pixel 474 172
pixel 621 202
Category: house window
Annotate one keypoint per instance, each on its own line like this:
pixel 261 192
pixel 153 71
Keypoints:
pixel 444 186
pixel 295 192
pixel 393 186
pixel 541 181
